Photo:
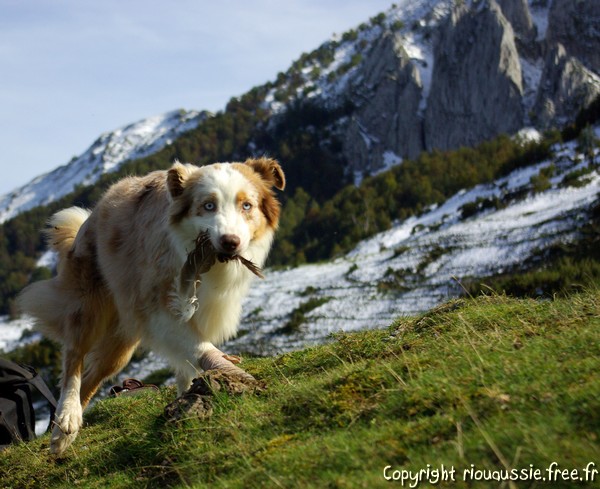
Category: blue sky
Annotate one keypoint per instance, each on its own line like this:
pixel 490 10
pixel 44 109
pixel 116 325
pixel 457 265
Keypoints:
pixel 72 69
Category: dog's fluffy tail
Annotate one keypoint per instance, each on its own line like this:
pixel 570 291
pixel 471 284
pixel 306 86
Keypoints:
pixel 49 301
pixel 62 229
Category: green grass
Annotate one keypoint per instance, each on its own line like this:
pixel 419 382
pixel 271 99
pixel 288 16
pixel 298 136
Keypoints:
pixel 496 382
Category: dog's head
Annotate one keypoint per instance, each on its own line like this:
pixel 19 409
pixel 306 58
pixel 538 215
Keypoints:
pixel 234 202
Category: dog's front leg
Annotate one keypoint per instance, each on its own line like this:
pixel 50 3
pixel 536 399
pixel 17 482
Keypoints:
pixel 69 413
pixel 211 358
pixel 215 359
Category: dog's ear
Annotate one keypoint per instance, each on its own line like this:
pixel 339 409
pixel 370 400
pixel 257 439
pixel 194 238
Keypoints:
pixel 269 170
pixel 176 179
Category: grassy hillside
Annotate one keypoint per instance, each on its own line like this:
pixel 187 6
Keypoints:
pixel 496 382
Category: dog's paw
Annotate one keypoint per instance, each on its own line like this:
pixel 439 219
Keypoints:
pixel 232 380
pixel 60 441
pixel 66 426
pixel 197 401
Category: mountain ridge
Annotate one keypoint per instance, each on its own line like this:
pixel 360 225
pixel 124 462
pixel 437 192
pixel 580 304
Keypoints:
pixel 105 155
pixel 385 70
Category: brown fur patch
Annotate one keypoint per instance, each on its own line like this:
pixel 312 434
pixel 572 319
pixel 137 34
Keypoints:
pixel 269 205
pixel 115 241
pixel 271 208
pixel 180 208
pixel 176 179
pixel 84 264
pixel 200 210
pixel 269 169
pixel 184 201
pixel 240 199
pixel 119 350
pixel 76 318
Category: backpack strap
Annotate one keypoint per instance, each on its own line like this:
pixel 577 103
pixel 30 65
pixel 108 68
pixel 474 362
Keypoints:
pixel 43 389
pixel 14 373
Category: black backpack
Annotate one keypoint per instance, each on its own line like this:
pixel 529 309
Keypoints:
pixel 17 416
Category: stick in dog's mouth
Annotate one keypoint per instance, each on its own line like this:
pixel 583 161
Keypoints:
pixel 200 260
pixel 222 257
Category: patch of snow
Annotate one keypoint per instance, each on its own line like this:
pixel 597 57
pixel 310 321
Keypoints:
pixel 48 259
pixel 529 134
pixel 539 16
pixel 358 177
pixel 11 332
pixel 420 52
pixel 430 252
pixel 531 72
pixel 429 12
pixel 367 138
pixel 390 159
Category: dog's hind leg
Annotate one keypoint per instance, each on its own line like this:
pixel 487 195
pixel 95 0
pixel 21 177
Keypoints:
pixel 69 414
pixel 106 359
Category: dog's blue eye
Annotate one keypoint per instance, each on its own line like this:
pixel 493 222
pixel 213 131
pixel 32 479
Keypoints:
pixel 246 206
pixel 209 206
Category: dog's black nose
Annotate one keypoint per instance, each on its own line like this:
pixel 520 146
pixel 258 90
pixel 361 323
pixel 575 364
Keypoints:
pixel 230 243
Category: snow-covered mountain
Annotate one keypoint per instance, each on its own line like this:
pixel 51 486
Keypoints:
pixel 415 265
pixel 425 74
pixel 105 155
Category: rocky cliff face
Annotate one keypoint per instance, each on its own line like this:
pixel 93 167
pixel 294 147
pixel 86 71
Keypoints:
pixel 518 14
pixel 476 89
pixel 576 25
pixel 387 118
pixel 566 87
pixel 482 68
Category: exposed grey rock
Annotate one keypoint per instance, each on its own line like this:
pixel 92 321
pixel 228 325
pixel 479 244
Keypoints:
pixel 518 14
pixel 476 87
pixel 388 93
pixel 576 25
pixel 565 88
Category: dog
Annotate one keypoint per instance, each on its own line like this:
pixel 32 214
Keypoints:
pixel 117 281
